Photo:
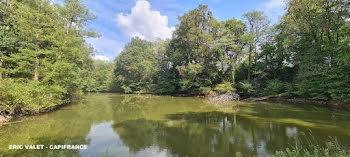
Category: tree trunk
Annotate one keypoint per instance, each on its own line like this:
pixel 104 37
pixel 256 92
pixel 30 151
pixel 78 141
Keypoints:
pixel 36 71
pixel 37 62
pixel 0 70
pixel 249 62
pixel 233 71
pixel 69 26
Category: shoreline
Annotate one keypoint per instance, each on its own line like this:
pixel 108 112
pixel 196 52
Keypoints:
pixel 5 119
pixel 332 104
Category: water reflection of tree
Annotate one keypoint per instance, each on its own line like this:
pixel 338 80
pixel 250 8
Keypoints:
pixel 203 134
pixel 68 125
pixel 127 107
pixel 208 130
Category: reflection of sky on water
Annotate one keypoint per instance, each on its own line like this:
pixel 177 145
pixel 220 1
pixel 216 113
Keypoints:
pixel 292 132
pixel 105 142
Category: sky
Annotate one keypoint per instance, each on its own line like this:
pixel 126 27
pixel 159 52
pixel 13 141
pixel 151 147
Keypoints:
pixel 120 20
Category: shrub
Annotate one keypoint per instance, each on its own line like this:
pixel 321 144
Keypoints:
pixel 206 91
pixel 245 88
pixel 224 87
pixel 16 96
pixel 274 86
pixel 290 90
pixel 127 89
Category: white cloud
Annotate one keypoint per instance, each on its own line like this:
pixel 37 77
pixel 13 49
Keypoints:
pixel 274 4
pixel 101 57
pixel 274 8
pixel 145 23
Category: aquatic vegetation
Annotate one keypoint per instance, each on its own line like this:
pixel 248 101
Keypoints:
pixel 332 149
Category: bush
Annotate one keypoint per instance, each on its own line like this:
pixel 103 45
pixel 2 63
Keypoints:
pixel 18 96
pixel 274 87
pixel 245 88
pixel 224 87
pixel 127 89
pixel 206 91
pixel 290 90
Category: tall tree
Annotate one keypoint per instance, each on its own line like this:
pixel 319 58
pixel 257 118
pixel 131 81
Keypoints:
pixel 230 45
pixel 33 37
pixel 257 24
pixel 7 33
pixel 193 37
pixel 135 67
pixel 316 28
pixel 76 15
pixel 35 23
pixel 192 46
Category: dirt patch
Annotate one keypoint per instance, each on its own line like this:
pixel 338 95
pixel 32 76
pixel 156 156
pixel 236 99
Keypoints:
pixel 3 119
pixel 222 98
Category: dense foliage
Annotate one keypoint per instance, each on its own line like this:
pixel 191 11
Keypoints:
pixel 306 55
pixel 43 54
pixel 44 59
pixel 99 77
pixel 135 67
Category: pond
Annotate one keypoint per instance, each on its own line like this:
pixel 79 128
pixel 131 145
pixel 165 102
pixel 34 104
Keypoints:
pixel 165 126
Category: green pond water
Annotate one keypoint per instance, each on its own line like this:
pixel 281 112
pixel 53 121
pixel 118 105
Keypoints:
pixel 165 126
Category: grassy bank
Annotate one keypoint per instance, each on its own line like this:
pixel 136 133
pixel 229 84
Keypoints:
pixel 332 148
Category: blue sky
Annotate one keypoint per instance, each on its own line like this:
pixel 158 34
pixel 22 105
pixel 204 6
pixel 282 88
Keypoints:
pixel 119 20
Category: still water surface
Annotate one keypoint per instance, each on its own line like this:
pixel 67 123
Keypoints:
pixel 164 126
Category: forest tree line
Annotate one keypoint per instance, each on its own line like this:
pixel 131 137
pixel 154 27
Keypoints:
pixel 305 55
pixel 44 59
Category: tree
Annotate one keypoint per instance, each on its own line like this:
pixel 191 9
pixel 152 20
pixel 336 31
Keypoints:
pixel 8 38
pixel 230 46
pixel 316 28
pixel 194 36
pixel 257 24
pixel 100 77
pixel 76 15
pixel 135 66
pixel 192 44
pixel 35 28
pixel 165 81
pixel 42 63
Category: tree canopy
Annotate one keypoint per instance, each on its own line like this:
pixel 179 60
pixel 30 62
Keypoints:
pixel 43 59
pixel 304 55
